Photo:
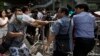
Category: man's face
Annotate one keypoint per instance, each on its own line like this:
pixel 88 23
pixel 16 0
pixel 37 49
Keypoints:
pixel 59 14
pixel 78 10
pixel 19 15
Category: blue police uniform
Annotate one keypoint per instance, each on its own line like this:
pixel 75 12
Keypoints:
pixel 60 29
pixel 84 24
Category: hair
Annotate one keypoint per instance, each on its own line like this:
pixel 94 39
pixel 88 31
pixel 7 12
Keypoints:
pixel 25 8
pixel 15 8
pixel 83 6
pixel 64 10
pixel 1 12
pixel 39 9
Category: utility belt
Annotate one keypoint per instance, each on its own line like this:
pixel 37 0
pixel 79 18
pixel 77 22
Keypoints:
pixel 62 43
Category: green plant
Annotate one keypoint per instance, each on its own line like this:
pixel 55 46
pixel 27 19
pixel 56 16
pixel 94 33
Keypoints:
pixel 1 4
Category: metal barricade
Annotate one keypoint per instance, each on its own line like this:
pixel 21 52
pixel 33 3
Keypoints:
pixel 37 47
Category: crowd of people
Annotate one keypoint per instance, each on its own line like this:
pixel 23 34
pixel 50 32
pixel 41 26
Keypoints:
pixel 59 29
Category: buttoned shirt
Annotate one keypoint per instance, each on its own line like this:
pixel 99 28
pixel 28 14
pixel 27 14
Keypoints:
pixel 60 26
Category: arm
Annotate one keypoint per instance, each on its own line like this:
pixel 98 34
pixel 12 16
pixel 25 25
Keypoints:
pixel 53 32
pixel 33 22
pixel 3 25
pixel 49 41
pixel 50 38
pixel 42 22
pixel 39 23
pixel 11 31
pixel 6 22
pixel 15 34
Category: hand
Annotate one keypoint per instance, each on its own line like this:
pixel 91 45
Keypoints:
pixel 51 21
pixel 46 48
pixel 20 33
pixel 46 22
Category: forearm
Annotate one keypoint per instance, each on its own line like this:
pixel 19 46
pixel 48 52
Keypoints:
pixel 14 34
pixel 39 22
pixel 50 39
pixel 3 25
pixel 36 25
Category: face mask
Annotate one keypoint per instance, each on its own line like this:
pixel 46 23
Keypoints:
pixel 19 17
pixel 29 14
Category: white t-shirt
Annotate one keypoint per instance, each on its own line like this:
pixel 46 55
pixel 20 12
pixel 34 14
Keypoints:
pixel 39 15
pixel 3 21
pixel 27 19
pixel 3 30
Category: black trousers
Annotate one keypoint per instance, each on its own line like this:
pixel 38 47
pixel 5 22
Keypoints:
pixel 61 45
pixel 83 46
pixel 58 53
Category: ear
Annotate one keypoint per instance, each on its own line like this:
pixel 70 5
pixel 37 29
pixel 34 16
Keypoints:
pixel 82 9
pixel 64 12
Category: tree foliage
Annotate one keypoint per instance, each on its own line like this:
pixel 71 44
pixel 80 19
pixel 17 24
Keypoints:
pixel 1 4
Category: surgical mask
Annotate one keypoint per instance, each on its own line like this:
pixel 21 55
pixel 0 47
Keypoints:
pixel 19 18
pixel 30 14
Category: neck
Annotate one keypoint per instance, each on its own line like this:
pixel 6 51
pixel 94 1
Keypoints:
pixel 3 17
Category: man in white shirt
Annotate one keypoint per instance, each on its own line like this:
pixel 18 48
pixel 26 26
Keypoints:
pixel 16 31
pixel 40 15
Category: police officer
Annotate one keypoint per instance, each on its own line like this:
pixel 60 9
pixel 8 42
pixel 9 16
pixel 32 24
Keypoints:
pixel 59 33
pixel 84 24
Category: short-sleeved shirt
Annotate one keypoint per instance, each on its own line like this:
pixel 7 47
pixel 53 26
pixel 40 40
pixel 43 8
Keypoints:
pixel 60 26
pixel 39 15
pixel 84 24
pixel 3 30
pixel 15 27
pixel 25 18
